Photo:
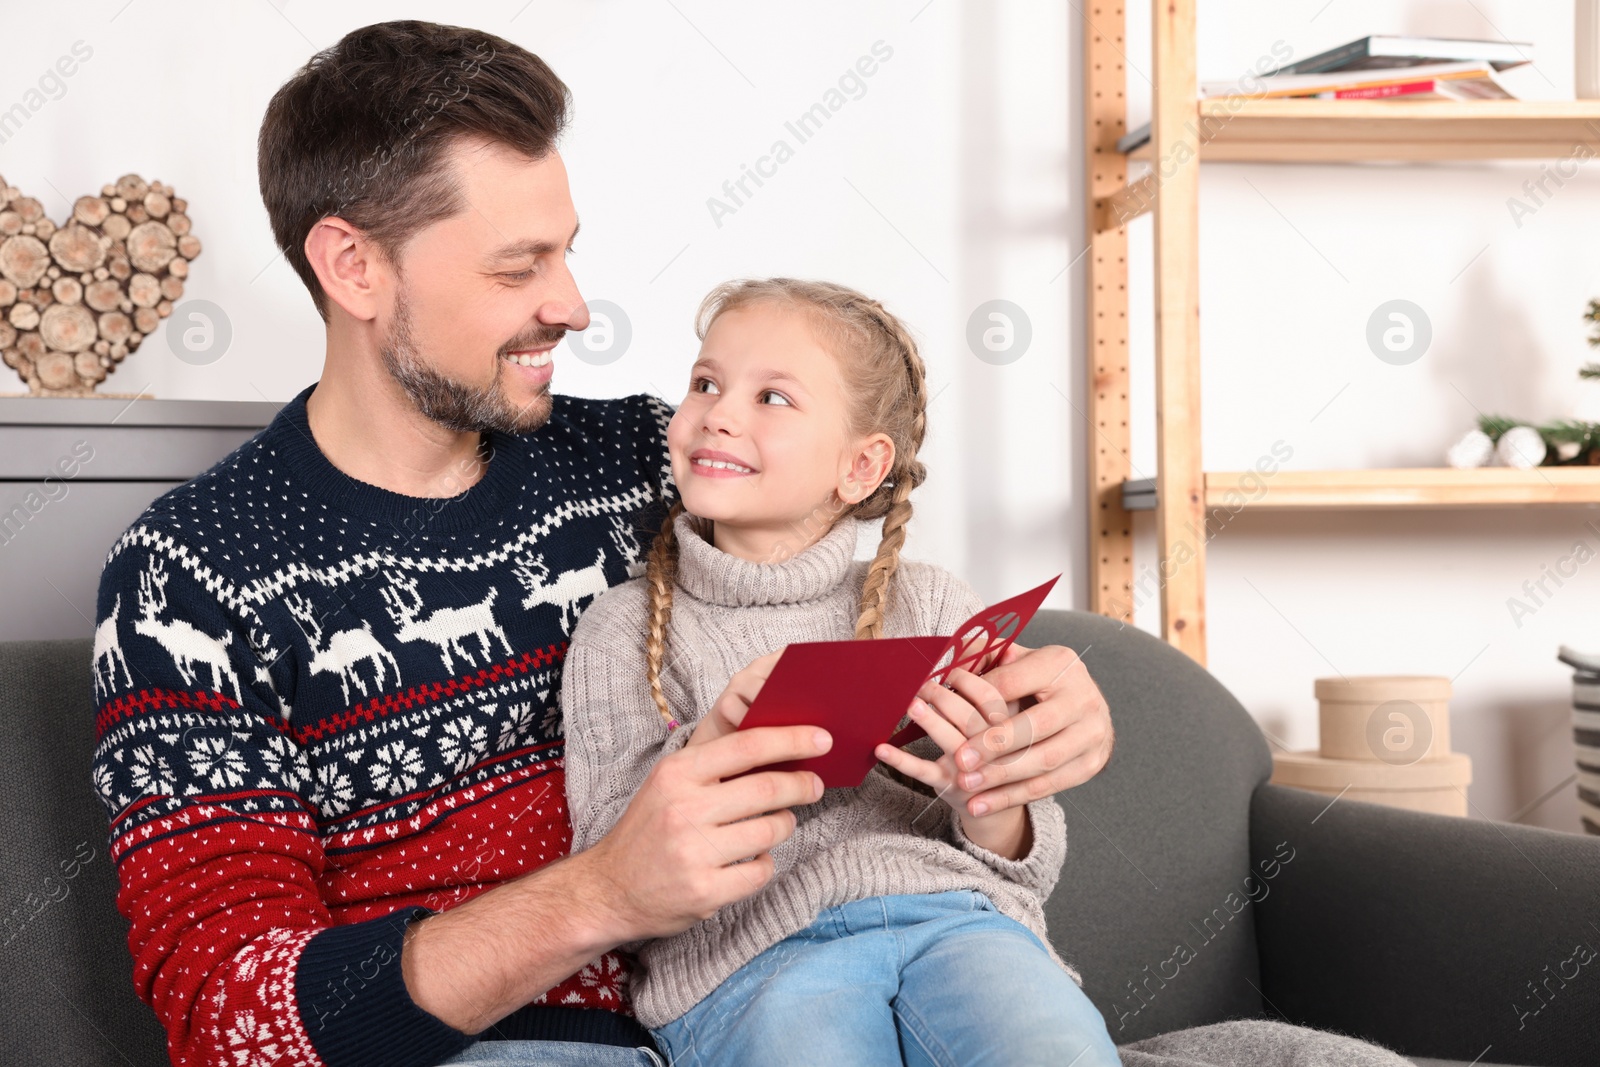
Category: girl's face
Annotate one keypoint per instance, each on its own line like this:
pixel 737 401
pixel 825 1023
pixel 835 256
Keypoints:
pixel 761 444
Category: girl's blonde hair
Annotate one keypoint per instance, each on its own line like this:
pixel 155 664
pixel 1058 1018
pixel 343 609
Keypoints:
pixel 886 392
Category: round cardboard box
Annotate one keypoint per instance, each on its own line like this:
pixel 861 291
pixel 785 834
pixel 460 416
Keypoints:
pixel 1432 801
pixel 1427 785
pixel 1395 719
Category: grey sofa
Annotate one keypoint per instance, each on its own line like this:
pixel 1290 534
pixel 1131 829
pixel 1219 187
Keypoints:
pixel 1435 936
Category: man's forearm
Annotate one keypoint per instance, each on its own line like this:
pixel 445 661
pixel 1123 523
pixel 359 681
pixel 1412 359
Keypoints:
pixel 475 964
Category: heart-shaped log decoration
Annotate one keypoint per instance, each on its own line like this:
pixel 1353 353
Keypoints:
pixel 75 300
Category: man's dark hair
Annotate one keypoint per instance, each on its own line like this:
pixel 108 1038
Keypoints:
pixel 362 130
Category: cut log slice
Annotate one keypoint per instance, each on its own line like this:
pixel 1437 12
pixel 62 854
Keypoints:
pixel 31 345
pixel 91 210
pixel 178 223
pixel 67 290
pixel 136 213
pixel 67 327
pixel 120 268
pixel 151 246
pixel 103 347
pixel 23 316
pixel 156 204
pixel 56 371
pixel 171 286
pixel 44 229
pixel 115 327
pixel 116 227
pixel 77 248
pixel 8 334
pixel 119 352
pixel 23 260
pixel 145 320
pixel 188 246
pixel 12 358
pixel 10 223
pixel 132 187
pixel 88 366
pixel 103 295
pixel 29 208
pixel 144 290
pixel 179 267
pixel 8 293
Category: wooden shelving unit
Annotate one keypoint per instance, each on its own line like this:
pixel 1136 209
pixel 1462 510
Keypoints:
pixel 1413 488
pixel 1185 132
pixel 1354 131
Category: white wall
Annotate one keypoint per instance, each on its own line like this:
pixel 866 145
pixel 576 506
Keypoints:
pixel 955 179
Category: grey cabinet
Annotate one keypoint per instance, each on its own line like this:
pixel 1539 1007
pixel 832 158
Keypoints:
pixel 74 474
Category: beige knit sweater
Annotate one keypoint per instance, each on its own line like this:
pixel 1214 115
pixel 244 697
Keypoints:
pixel 879 838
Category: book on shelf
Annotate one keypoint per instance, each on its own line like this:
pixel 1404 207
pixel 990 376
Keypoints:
pixel 1455 81
pixel 1387 52
pixel 1425 89
pixel 1466 80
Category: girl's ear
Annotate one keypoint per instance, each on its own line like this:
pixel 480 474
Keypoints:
pixel 869 464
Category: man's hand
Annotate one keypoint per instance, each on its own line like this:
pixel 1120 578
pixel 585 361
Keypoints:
pixel 1055 733
pixel 673 858
pixel 670 861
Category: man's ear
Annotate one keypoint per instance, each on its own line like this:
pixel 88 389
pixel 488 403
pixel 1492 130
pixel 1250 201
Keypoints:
pixel 348 265
pixel 869 464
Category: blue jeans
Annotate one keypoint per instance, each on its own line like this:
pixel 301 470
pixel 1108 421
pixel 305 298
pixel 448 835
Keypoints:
pixel 553 1054
pixel 940 979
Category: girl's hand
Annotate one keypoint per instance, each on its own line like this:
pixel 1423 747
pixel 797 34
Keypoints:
pixel 951 717
pixel 730 707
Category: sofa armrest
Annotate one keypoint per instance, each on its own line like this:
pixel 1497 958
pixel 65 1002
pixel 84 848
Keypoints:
pixel 1437 936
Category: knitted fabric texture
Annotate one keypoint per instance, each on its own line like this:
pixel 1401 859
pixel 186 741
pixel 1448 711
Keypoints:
pixel 1257 1043
pixel 880 838
pixel 324 709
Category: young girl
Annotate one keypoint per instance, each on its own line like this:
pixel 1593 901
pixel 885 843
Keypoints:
pixel 897 926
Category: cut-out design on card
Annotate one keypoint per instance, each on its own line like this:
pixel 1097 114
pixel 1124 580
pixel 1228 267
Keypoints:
pixel 859 690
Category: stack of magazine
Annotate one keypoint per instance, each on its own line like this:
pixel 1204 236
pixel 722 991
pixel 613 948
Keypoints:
pixel 1379 68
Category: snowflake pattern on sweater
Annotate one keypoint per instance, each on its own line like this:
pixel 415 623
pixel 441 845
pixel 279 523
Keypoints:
pixel 324 710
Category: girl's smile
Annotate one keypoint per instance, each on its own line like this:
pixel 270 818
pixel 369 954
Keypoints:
pixel 714 464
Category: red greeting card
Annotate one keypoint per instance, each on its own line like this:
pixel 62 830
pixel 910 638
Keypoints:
pixel 859 691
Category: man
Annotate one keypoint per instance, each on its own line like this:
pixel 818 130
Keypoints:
pixel 335 781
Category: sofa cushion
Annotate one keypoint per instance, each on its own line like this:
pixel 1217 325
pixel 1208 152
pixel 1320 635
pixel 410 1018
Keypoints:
pixel 1152 906
pixel 66 977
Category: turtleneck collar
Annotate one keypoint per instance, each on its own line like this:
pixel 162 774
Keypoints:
pixel 707 573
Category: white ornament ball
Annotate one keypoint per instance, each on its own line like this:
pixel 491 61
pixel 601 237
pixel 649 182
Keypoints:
pixel 1521 447
pixel 1473 450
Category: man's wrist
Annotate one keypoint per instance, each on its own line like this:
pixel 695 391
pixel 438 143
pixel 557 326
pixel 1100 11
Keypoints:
pixel 474 964
pixel 597 915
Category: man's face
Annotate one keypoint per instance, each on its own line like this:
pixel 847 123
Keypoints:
pixel 484 297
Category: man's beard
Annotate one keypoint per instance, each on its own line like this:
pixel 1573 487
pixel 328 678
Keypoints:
pixel 463 408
